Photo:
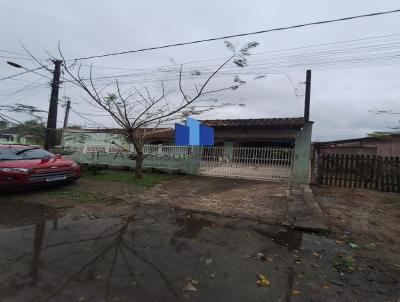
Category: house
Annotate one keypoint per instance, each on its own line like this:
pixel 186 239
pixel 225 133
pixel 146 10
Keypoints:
pixel 380 145
pixel 227 132
pixel 293 133
pixel 10 136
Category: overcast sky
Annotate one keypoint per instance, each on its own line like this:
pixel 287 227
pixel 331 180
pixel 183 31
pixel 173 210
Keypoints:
pixel 342 94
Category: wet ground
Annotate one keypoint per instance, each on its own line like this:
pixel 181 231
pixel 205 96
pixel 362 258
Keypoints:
pixel 162 254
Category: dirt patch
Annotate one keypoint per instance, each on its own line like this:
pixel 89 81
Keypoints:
pixel 368 218
pixel 191 226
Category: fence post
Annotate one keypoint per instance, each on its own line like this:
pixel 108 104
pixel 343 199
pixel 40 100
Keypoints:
pixel 301 163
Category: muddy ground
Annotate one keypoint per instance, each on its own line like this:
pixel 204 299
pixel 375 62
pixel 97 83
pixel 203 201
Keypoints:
pixel 55 249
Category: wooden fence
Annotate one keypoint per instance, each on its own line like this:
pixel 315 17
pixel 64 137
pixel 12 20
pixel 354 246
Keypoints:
pixel 359 171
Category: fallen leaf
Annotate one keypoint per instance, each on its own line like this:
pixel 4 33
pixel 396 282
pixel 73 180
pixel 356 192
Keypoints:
pixel 316 254
pixel 189 287
pixel 326 285
pixel 353 245
pixel 339 242
pixel 262 280
pixel 296 292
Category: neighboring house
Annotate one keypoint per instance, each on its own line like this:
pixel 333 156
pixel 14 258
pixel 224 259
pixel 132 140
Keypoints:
pixel 381 145
pixel 9 136
pixel 6 138
pixel 227 132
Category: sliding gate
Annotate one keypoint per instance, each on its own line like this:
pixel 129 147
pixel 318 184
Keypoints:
pixel 270 163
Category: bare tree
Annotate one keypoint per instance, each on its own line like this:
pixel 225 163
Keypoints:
pixel 140 112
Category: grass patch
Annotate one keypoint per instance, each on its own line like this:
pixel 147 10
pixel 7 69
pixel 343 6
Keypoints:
pixel 148 180
pixel 84 197
pixel 395 201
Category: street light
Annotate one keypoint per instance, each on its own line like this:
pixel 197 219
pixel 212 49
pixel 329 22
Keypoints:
pixel 14 64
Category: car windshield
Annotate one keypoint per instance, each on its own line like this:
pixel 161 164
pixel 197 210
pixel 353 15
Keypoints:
pixel 24 153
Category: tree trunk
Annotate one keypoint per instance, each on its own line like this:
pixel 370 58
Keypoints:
pixel 139 163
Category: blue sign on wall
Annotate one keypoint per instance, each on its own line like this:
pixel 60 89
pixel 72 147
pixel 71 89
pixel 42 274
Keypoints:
pixel 193 133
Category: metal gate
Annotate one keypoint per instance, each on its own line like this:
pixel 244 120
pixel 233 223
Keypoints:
pixel 270 163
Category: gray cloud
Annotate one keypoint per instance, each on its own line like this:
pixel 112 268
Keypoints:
pixel 341 98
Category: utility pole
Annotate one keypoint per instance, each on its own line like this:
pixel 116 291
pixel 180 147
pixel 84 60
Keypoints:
pixel 67 109
pixel 66 117
pixel 307 97
pixel 51 130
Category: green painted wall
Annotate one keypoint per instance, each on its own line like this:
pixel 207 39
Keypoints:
pixel 228 149
pixel 185 165
pixel 301 163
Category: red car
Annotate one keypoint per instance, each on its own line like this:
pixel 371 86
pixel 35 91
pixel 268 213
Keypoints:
pixel 22 165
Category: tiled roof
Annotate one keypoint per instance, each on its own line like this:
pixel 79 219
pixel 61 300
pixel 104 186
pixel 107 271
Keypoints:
pixel 262 123
pixel 295 122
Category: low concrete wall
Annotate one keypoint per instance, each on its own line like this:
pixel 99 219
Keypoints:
pixel 185 165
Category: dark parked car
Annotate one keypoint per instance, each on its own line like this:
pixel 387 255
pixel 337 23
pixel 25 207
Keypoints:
pixel 22 165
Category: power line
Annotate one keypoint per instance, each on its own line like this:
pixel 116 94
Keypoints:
pixel 252 54
pixel 13 52
pixel 243 34
pixel 383 51
pixel 24 72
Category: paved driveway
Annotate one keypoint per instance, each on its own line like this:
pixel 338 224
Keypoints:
pixel 277 202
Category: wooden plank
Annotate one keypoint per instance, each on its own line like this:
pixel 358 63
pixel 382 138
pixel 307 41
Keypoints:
pixel 376 173
pixel 340 170
pixel 370 181
pixel 392 175
pixel 346 171
pixel 357 171
pixel 365 173
pixel 362 171
pixel 350 171
pixel 320 175
pixel 387 174
pixel 343 168
pixel 326 168
pixel 381 174
pixel 329 169
pixel 335 169
pixel 397 173
pixel 371 172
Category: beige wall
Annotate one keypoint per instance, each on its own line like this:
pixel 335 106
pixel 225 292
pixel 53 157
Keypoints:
pixel 383 147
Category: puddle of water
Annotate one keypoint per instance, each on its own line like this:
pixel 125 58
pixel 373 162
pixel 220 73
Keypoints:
pixel 315 242
pixel 19 213
pixel 192 226
pixel 290 238
pixel 70 260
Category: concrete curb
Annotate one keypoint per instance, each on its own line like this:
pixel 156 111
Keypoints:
pixel 319 219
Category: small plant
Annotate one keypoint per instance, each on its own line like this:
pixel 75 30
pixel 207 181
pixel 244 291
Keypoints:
pixel 344 263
